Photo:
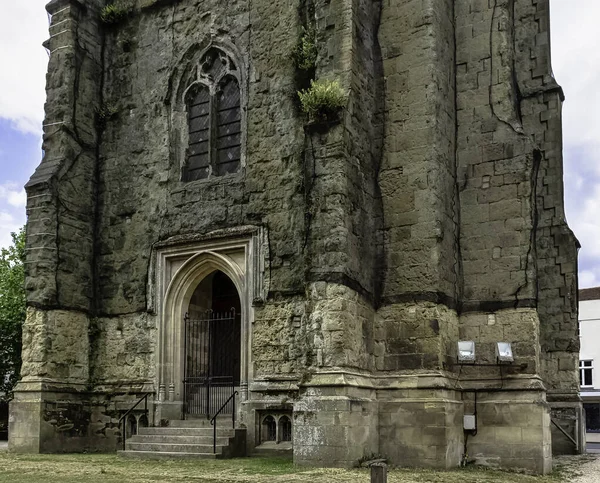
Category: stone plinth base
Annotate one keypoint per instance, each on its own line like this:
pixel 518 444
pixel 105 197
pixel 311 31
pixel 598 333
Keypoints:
pixel 421 427
pixel 45 421
pixel 335 426
pixel 417 420
pixel 513 431
pixel 168 410
pixel 54 418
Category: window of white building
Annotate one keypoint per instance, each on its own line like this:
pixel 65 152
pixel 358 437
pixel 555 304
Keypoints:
pixel 585 373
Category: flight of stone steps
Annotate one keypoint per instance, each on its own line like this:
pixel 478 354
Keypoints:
pixel 187 439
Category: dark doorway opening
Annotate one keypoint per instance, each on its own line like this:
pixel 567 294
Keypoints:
pixel 212 346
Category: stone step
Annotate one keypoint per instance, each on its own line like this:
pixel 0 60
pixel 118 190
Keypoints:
pixel 200 432
pixel 178 439
pixel 160 455
pixel 172 448
pixel 199 423
pixel 184 442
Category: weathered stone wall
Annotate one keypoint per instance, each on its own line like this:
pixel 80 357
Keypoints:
pixel 55 346
pixel 280 339
pixel 429 212
pixel 122 350
pixel 415 336
pixel 421 427
pixel 513 430
pixel 335 423
pixel 517 249
pixel 496 159
pixel 556 245
pixel 418 167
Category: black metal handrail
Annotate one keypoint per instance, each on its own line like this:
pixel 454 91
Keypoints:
pixel 130 410
pixel 213 421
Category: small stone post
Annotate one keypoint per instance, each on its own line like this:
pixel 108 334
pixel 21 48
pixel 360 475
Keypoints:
pixel 379 473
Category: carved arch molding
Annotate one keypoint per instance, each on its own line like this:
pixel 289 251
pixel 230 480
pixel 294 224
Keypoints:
pixel 178 269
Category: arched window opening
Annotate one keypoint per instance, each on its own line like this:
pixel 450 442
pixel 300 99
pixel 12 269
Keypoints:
pixel 143 421
pixel 285 429
pixel 269 429
pixel 131 426
pixel 214 119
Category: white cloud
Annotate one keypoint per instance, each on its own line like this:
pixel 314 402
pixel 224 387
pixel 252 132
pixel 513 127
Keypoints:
pixel 12 213
pixel 8 224
pixel 588 227
pixel 13 195
pixel 587 279
pixel 584 207
pixel 23 28
pixel 576 66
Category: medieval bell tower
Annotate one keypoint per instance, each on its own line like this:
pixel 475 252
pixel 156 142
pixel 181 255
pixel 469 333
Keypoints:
pixel 191 229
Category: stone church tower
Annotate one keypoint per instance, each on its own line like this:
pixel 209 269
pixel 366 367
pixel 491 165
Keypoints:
pixel 189 222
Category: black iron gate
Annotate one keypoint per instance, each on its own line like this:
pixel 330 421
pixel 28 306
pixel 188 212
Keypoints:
pixel 212 362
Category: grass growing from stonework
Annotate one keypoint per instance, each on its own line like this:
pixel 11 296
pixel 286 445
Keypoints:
pixel 88 468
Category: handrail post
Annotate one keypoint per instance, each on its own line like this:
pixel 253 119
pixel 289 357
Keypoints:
pixel 124 417
pixel 214 436
pixel 233 412
pixel 213 420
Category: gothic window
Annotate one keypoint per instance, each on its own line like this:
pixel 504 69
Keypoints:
pixel 269 429
pixel 214 119
pixel 285 429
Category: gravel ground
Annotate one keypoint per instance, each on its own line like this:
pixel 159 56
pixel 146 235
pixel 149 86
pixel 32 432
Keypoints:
pixel 589 472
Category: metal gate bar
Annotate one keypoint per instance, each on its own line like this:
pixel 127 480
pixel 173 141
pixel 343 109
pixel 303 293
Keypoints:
pixel 211 363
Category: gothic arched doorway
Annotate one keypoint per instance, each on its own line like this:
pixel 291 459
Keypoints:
pixel 212 346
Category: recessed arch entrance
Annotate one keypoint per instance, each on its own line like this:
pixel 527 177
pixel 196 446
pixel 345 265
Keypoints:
pixel 212 350
pixel 212 283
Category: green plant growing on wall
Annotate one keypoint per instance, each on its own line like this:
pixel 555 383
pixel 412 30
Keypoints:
pixel 116 12
pixel 323 100
pixel 305 53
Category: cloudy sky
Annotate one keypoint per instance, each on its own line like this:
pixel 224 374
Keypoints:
pixel 576 62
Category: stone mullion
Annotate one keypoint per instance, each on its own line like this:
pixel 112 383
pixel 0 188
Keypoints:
pixel 212 128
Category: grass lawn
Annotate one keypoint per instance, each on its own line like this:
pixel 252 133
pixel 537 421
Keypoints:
pixel 109 468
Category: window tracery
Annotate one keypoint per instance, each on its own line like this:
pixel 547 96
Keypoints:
pixel 213 105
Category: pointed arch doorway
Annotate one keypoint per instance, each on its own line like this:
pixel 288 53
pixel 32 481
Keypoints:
pixel 212 346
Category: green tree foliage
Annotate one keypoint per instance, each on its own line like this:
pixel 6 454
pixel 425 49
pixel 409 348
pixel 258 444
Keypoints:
pixel 12 311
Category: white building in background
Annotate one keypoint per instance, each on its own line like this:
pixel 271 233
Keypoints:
pixel 589 359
